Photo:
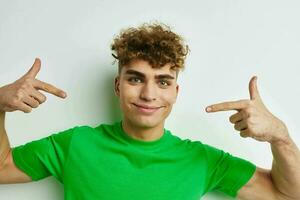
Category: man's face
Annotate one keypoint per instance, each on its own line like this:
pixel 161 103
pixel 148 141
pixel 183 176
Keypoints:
pixel 146 94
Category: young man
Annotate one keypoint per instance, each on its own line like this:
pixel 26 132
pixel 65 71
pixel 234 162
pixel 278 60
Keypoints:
pixel 137 158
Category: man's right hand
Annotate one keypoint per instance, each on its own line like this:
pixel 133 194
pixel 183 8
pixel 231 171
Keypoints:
pixel 23 94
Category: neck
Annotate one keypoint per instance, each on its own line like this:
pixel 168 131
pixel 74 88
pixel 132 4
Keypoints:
pixel 143 133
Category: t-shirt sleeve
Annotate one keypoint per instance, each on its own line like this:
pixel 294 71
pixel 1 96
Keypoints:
pixel 44 157
pixel 225 172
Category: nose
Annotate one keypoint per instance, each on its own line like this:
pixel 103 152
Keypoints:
pixel 148 92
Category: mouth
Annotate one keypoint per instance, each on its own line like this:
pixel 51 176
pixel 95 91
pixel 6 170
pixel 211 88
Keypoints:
pixel 146 109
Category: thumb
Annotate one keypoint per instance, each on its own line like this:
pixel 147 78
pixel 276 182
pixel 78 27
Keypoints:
pixel 254 94
pixel 32 72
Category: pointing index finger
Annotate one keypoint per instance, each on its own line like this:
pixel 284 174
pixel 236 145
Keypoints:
pixel 229 105
pixel 49 88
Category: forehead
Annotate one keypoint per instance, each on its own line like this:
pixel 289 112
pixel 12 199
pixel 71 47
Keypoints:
pixel 145 68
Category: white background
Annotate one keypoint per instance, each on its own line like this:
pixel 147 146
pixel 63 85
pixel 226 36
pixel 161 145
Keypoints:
pixel 229 40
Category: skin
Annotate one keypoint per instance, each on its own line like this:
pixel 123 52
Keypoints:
pixel 254 120
pixel 139 84
pixel 23 95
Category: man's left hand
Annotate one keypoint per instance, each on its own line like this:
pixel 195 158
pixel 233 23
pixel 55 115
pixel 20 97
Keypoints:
pixel 253 119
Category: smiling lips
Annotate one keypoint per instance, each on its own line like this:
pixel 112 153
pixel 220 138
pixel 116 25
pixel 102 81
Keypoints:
pixel 146 109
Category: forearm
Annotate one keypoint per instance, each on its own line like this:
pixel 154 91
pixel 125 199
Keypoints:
pixel 286 167
pixel 4 142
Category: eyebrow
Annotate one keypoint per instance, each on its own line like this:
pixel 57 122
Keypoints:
pixel 140 74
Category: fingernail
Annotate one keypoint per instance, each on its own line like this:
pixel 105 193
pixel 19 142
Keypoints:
pixel 208 109
pixel 63 94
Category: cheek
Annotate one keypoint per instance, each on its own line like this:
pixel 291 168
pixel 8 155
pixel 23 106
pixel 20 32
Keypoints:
pixel 169 97
pixel 127 93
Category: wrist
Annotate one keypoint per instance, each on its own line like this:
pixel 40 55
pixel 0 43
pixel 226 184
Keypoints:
pixel 2 120
pixel 1 107
pixel 282 135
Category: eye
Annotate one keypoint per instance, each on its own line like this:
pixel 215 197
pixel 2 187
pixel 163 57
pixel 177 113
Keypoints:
pixel 134 80
pixel 164 83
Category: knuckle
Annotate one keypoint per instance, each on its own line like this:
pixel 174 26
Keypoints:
pixel 231 119
pixel 13 102
pixel 43 99
pixel 15 106
pixel 25 86
pixel 19 93
pixel 27 110
pixel 250 130
pixel 35 105
pixel 27 81
pixel 243 134
pixel 22 87
pixel 236 126
pixel 248 111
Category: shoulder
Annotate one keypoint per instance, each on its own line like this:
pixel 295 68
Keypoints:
pixel 82 132
pixel 194 144
pixel 188 144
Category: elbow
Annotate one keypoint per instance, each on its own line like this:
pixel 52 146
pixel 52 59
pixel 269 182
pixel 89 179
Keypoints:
pixel 285 196
pixel 3 159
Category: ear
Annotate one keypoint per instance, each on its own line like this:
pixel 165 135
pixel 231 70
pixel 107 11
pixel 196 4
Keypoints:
pixel 117 86
pixel 177 90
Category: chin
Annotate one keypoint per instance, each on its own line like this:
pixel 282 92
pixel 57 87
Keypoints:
pixel 146 123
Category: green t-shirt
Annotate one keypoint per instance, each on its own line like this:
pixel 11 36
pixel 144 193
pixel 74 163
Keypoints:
pixel 105 163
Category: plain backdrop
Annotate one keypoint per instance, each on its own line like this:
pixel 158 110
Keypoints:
pixel 230 41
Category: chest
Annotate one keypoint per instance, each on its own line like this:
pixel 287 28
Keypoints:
pixel 116 173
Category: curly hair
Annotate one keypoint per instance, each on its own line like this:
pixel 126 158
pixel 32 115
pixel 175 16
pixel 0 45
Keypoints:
pixel 155 43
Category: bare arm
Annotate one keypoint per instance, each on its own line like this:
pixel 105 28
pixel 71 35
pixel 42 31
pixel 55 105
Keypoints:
pixel 285 171
pixel 254 120
pixel 9 173
pixel 21 95
pixel 4 143
pixel 282 182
